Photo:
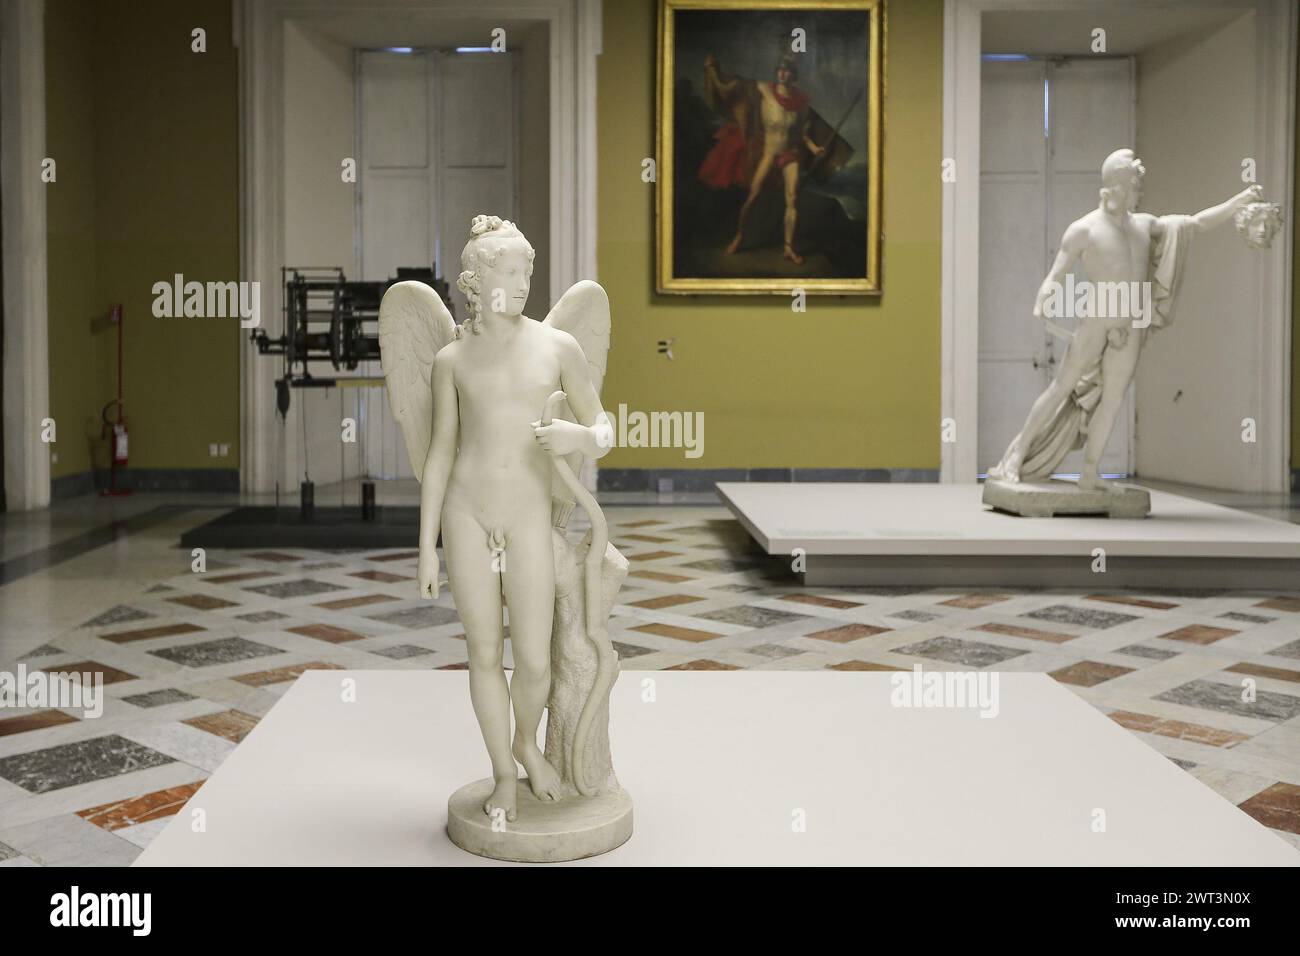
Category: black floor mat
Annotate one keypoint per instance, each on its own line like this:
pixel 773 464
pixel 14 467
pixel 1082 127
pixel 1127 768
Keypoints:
pixel 266 526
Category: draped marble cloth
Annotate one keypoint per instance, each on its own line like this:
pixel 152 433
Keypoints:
pixel 1067 429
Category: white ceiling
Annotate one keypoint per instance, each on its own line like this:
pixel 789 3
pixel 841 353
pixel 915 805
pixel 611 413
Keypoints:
pixel 1070 31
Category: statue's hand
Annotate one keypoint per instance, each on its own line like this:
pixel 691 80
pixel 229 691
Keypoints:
pixel 561 437
pixel 1252 193
pixel 428 572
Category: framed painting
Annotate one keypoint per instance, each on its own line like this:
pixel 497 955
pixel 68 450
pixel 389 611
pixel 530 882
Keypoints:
pixel 769 146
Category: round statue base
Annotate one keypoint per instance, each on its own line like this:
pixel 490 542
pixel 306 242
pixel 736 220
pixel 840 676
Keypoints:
pixel 542 832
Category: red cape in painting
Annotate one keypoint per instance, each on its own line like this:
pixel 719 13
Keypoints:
pixel 724 167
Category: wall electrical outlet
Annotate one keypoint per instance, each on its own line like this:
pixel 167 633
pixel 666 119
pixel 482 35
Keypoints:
pixel 213 450
pixel 225 450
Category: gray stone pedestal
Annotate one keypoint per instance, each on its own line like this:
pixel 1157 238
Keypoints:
pixel 1050 499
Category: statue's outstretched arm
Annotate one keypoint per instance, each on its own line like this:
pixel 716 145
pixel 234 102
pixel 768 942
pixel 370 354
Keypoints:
pixel 1217 215
pixel 437 465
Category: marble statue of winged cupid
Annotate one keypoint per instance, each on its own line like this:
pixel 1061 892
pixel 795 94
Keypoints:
pixel 497 415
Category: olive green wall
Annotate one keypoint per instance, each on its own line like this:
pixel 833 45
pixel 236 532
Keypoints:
pixel 851 383
pixel 79 340
pixel 151 133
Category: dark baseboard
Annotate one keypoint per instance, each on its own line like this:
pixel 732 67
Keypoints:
pixel 703 479
pixel 146 479
pixel 72 486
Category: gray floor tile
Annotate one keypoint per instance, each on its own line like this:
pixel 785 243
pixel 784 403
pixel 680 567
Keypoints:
pixel 261 617
pixel 419 615
pixel 920 617
pixel 158 698
pixel 957 651
pixel 1226 698
pixel 226 650
pixel 747 616
pixel 400 652
pixel 65 765
pixel 293 589
pixel 117 615
pixel 1080 616
pixel 1152 653
pixel 1247 618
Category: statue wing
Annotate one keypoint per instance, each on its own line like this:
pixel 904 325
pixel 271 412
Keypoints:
pixel 414 325
pixel 583 312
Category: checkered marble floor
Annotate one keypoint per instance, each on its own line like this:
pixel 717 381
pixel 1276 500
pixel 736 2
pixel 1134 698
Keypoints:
pixel 192 662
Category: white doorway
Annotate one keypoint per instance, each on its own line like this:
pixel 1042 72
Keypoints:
pixel 298 123
pixel 1046 125
pixel 437 143
pixel 1181 57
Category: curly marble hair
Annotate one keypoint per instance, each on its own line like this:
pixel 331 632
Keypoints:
pixel 488 236
pixel 1119 172
pixel 1268 214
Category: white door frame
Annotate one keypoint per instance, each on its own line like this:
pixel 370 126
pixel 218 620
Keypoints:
pixel 575 31
pixel 26 308
pixel 959 362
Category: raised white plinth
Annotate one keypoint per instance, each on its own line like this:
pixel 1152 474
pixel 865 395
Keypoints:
pixel 941 534
pixel 723 767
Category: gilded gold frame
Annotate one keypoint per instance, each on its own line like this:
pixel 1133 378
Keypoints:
pixel 665 281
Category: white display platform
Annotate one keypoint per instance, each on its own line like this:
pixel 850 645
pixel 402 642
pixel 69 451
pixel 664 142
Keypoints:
pixel 939 535
pixel 720 766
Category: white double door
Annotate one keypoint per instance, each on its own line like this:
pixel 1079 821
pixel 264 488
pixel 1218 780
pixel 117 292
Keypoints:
pixel 437 142
pixel 1046 125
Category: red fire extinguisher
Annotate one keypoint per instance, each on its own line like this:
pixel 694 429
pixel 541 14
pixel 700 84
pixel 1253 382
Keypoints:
pixel 120 437
pixel 115 430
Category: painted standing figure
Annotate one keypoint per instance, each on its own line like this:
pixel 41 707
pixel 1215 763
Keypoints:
pixel 762 144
